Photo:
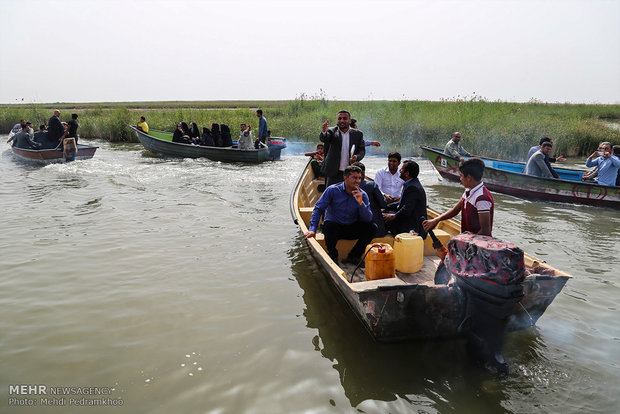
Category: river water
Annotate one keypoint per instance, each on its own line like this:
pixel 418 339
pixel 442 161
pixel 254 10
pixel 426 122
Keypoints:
pixel 184 286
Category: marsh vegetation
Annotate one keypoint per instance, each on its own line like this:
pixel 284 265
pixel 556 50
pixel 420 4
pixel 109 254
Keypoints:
pixel 495 129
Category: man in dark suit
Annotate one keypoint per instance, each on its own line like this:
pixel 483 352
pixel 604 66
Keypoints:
pixel 55 130
pixel 404 215
pixel 339 156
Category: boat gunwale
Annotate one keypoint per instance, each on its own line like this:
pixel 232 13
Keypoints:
pixel 250 150
pixel 544 179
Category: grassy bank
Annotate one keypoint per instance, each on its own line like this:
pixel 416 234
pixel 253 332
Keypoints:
pixel 496 129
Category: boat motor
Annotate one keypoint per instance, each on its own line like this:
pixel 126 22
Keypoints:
pixel 489 272
pixel 276 145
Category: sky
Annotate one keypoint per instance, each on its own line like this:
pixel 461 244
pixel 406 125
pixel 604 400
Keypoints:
pixel 159 50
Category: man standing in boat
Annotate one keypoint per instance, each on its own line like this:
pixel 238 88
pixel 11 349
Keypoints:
pixel 404 215
pixel 477 203
pixel 262 129
pixel 73 127
pixel 55 130
pixel 343 146
pixel 454 148
pixel 347 216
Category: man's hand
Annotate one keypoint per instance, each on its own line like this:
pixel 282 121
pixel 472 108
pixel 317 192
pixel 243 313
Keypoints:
pixel 429 224
pixel 560 159
pixel 358 196
pixel 249 128
pixel 388 217
pixel 594 155
pixel 606 154
pixel 309 235
pixel 352 159
pixel 388 198
pixel 325 126
pixel 375 144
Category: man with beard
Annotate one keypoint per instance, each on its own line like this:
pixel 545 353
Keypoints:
pixel 404 215
pixel 343 146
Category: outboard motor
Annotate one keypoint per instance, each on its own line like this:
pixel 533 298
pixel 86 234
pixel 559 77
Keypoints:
pixel 275 145
pixel 489 272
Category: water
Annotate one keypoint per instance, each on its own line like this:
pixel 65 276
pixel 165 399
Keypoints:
pixel 185 286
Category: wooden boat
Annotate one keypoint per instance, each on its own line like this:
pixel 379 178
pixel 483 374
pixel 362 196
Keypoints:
pixel 161 143
pixel 507 177
pixel 50 156
pixel 412 305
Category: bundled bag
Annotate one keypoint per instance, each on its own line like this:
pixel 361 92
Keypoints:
pixel 484 257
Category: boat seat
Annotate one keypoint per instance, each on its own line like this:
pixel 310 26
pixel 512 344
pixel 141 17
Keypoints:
pixel 306 213
pixel 345 246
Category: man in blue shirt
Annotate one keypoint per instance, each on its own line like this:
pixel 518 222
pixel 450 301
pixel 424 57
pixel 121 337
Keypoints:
pixel 347 216
pixel 262 129
pixel 607 163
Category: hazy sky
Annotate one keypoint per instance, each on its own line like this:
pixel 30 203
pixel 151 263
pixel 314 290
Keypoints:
pixel 139 50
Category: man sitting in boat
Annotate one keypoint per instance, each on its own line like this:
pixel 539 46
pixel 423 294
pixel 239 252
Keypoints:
pixel 476 204
pixel 539 146
pixel 41 135
pixel 454 148
pixel 404 215
pixel 347 216
pixel 245 140
pixel 317 159
pixel 537 166
pixel 608 164
pixel 388 178
pixel 377 201
pixel 142 125
pixel 23 140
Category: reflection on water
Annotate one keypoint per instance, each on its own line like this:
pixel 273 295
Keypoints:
pixel 185 285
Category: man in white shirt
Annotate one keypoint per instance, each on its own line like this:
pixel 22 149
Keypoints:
pixel 388 179
pixel 245 140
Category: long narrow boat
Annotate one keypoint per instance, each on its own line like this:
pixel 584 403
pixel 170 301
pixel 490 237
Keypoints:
pixel 50 156
pixel 161 143
pixel 507 177
pixel 412 305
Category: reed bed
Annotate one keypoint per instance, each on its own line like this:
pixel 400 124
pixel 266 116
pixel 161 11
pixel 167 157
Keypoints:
pixel 496 129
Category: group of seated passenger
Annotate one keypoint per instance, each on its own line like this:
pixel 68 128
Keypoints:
pixel 217 136
pixel 606 163
pixel 394 203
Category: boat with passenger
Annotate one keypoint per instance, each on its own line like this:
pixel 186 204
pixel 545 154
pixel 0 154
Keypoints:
pixel 53 156
pixel 507 177
pixel 412 305
pixel 160 142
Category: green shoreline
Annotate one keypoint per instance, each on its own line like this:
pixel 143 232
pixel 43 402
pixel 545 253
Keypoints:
pixel 495 129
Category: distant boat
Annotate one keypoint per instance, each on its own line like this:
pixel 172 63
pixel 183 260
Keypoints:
pixel 412 305
pixel 50 156
pixel 507 177
pixel 161 143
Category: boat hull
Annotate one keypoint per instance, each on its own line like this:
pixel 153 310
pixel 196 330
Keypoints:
pixel 392 310
pixel 227 154
pixel 51 156
pixel 499 177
